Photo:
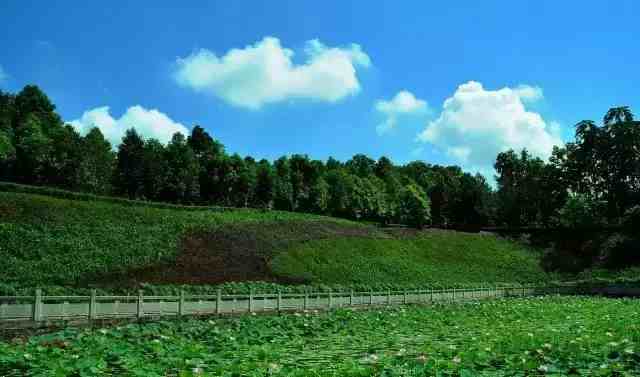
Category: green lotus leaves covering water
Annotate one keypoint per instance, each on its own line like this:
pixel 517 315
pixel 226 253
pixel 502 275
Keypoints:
pixel 553 336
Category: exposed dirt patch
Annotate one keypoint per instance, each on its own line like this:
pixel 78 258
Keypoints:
pixel 236 252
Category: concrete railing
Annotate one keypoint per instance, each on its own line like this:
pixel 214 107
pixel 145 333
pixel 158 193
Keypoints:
pixel 40 309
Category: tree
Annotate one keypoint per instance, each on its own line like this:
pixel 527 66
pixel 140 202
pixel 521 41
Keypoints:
pixel 580 212
pixel 521 189
pixel 33 149
pixel 617 115
pixel 319 197
pixel 333 164
pixel 7 154
pixel 63 165
pixel 603 162
pixel 621 160
pixel 181 184
pixel 96 165
pixel 339 200
pixel 264 189
pixel 384 168
pixel 203 145
pixel 414 206
pixel 31 101
pixel 361 165
pixel 469 207
pixel 155 171
pixel 7 150
pixel 283 189
pixel 245 181
pixel 129 172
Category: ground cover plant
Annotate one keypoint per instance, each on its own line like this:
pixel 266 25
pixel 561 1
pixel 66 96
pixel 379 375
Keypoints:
pixel 53 242
pixel 429 257
pixel 543 336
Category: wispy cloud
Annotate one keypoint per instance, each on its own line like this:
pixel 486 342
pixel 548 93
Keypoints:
pixel 403 103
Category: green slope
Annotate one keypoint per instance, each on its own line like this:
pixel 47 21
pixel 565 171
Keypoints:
pixel 434 257
pixel 51 241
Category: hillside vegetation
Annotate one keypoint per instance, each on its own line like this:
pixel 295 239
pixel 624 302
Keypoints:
pixel 54 242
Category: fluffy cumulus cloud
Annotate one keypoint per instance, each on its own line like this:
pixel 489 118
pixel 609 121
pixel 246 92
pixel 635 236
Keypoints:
pixel 149 124
pixel 476 124
pixel 403 103
pixel 265 73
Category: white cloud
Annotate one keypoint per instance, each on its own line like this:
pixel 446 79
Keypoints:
pixel 476 124
pixel 403 103
pixel 149 124
pixel 264 73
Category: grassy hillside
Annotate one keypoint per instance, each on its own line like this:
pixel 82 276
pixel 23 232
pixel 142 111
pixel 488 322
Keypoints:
pixel 87 242
pixel 433 256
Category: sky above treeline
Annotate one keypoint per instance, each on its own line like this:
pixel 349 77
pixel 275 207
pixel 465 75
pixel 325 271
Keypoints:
pixel 444 82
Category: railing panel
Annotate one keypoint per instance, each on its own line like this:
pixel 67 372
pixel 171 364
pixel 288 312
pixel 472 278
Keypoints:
pixel 68 307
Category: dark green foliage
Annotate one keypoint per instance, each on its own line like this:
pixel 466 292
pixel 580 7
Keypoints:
pixel 35 148
pixel 620 251
pixel 581 212
pixel 264 189
pixel 129 173
pixel 603 164
pixel 414 206
pixel 181 184
pixel 155 171
pixel 631 221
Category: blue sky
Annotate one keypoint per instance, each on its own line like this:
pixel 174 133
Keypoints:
pixel 331 78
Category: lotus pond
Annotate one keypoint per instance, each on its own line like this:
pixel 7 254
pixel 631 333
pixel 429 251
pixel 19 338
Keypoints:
pixel 553 336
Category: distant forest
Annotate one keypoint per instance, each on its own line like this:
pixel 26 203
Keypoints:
pixel 591 181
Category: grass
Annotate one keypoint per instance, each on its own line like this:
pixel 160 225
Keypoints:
pixel 51 241
pixel 551 336
pixel 433 257
pixel 65 243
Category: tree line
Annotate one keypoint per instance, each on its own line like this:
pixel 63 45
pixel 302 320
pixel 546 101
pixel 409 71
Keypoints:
pixel 592 180
pixel 37 148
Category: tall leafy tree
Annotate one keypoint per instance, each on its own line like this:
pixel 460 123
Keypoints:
pixel 283 189
pixel 129 172
pixel 264 190
pixel 96 163
pixel 361 165
pixel 63 165
pixel 616 115
pixel 155 170
pixel 32 101
pixel 33 150
pixel 182 177
pixel 414 206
